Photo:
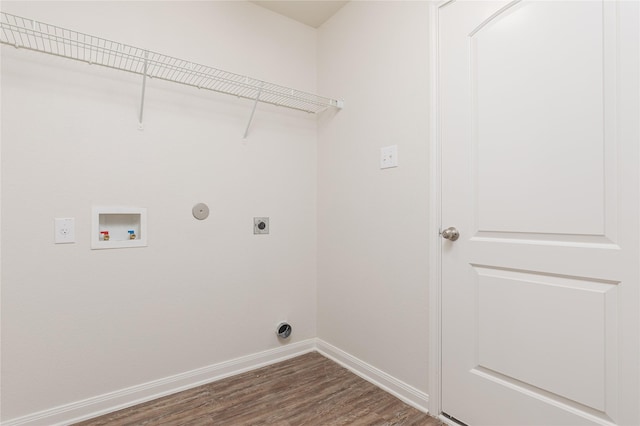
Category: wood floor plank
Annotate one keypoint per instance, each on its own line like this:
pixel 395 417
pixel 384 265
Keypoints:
pixel 306 390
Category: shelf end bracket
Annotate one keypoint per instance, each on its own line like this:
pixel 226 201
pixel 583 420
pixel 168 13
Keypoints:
pixel 253 111
pixel 144 84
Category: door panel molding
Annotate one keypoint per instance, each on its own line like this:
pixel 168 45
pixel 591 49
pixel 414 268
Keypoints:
pixel 565 404
pixel 566 355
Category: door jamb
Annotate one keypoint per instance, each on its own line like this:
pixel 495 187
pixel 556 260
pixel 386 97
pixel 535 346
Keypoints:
pixel 435 211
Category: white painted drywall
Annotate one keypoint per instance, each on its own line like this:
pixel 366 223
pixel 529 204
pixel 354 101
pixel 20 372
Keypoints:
pixel 78 323
pixel 372 223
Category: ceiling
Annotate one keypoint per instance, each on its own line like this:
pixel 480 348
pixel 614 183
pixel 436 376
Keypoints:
pixel 310 12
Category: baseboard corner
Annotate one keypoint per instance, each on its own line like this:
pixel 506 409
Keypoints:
pixel 403 391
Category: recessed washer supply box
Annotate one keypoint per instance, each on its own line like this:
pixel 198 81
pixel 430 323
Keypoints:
pixel 126 227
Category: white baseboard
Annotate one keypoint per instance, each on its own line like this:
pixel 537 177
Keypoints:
pixel 113 401
pixel 397 388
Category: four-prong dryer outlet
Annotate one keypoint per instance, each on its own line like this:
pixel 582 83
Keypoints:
pixel 260 225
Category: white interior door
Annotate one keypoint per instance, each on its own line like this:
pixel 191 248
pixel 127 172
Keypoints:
pixel 538 127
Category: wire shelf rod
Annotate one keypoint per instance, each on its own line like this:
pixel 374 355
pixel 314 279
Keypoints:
pixel 57 41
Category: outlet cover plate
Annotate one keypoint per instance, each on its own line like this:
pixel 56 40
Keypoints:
pixel 389 157
pixel 65 231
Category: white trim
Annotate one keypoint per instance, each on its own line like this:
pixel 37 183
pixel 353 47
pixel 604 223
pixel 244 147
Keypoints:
pixel 448 421
pixel 113 401
pixel 384 381
pixel 123 398
pixel 435 296
pixel 492 17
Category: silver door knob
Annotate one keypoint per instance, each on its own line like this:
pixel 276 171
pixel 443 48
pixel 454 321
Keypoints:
pixel 450 234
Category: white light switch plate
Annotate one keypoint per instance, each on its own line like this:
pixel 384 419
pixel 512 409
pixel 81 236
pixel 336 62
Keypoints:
pixel 389 157
pixel 65 230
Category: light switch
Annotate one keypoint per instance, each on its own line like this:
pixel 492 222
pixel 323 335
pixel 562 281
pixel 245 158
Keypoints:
pixel 389 157
pixel 65 230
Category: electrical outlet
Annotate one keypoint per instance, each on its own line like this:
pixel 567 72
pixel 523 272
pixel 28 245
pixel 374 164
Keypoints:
pixel 389 157
pixel 65 230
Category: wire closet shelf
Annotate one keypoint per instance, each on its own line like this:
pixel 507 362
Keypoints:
pixel 46 38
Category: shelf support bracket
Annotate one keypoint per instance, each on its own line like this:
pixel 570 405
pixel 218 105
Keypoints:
pixel 144 84
pixel 253 111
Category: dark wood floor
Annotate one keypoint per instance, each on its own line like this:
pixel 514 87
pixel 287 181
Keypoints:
pixel 306 390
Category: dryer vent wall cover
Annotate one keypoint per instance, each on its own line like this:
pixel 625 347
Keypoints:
pixel 284 330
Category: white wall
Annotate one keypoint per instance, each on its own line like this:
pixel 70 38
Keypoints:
pixel 82 323
pixel 372 223
pixel 77 323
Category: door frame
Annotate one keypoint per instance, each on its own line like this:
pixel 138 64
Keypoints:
pixel 435 220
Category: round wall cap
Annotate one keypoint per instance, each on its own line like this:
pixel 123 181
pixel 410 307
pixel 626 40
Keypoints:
pixel 200 211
